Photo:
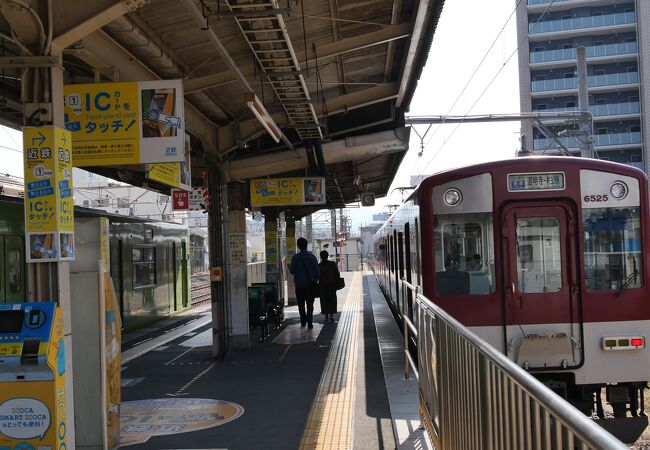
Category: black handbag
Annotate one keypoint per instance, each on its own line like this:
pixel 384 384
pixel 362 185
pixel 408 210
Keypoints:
pixel 340 283
pixel 314 289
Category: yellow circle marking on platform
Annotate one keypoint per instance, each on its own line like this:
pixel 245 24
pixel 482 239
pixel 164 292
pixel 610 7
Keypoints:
pixel 142 419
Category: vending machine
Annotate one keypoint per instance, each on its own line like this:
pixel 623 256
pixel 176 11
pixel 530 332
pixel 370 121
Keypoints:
pixel 32 377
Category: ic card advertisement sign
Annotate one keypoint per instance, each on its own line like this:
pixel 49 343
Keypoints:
pixel 177 174
pixel 287 191
pixel 126 123
pixel 49 219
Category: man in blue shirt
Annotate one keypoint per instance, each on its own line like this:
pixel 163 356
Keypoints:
pixel 304 268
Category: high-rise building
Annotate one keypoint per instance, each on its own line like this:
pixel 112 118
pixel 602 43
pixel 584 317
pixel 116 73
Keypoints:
pixel 616 36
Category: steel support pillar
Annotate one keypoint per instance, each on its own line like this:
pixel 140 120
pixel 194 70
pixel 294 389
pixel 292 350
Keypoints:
pixel 217 238
pixel 51 281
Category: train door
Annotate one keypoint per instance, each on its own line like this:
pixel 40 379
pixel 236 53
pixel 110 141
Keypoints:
pixel 12 270
pixel 542 308
pixel 116 268
pixel 183 274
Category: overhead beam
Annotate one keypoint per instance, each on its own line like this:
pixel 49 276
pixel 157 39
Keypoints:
pixel 344 150
pixel 232 137
pixel 415 46
pixel 324 52
pixel 97 21
pixel 106 52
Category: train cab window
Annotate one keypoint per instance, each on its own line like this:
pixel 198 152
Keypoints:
pixel 539 257
pixel 464 254
pixel 144 266
pixel 612 241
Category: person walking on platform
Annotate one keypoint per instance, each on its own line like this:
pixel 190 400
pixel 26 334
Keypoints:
pixel 329 275
pixel 304 267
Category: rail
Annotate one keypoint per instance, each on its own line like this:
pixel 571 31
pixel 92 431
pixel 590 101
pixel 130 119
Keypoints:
pixel 200 282
pixel 474 397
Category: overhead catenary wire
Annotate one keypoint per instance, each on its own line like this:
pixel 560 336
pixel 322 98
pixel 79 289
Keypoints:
pixel 469 80
pixel 496 75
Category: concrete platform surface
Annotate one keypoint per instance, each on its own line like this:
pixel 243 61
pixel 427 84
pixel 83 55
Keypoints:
pixel 300 388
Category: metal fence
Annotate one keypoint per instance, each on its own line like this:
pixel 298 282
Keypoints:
pixel 474 397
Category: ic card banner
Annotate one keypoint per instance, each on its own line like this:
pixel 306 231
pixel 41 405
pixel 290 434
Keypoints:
pixel 287 191
pixel 49 219
pixel 126 123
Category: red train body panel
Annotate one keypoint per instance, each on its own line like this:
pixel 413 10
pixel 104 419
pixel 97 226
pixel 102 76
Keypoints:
pixel 544 257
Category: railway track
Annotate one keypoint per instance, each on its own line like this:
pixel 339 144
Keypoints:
pixel 200 288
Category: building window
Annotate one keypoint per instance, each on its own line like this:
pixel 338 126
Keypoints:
pixel 540 107
pixel 569 75
pixel 596 43
pixel 601 101
pixel 567 46
pixel 144 266
pixel 570 104
pixel 629 10
pixel 599 72
pixel 632 69
pixel 633 99
pixel 540 77
pixel 602 131
pixel 538 49
pixel 635 128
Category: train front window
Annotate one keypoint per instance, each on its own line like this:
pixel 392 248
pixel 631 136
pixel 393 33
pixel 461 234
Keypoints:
pixel 464 247
pixel 539 257
pixel 612 239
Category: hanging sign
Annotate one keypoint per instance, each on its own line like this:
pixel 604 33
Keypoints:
pixel 176 174
pixel 287 191
pixel 49 220
pixel 125 123
pixel 180 200
pixel 199 198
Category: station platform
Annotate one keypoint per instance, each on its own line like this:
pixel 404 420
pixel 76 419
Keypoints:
pixel 337 386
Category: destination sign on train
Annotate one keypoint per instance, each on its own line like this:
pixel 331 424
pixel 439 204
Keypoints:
pixel 536 181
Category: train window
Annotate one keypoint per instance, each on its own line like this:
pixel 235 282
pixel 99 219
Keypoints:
pixel 612 240
pixel 464 254
pixel 539 258
pixel 144 266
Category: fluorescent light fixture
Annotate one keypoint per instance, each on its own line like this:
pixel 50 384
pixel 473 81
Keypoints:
pixel 263 115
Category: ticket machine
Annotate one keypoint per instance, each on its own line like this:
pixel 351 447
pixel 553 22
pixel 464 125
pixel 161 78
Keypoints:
pixel 32 377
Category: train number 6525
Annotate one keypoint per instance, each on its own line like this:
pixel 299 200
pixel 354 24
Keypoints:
pixel 596 198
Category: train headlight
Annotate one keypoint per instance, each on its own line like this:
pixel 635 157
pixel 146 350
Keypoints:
pixel 618 189
pixel 452 197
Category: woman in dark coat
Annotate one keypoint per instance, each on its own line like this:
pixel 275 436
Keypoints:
pixel 329 274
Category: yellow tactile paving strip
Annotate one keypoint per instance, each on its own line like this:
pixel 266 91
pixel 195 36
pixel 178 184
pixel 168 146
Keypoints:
pixel 329 425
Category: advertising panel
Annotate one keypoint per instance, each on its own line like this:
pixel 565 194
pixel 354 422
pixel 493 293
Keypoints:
pixel 125 123
pixel 49 220
pixel 287 191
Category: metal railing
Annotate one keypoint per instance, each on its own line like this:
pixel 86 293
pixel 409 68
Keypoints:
pixel 474 397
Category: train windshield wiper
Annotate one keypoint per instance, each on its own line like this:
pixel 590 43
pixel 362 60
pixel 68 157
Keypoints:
pixel 631 277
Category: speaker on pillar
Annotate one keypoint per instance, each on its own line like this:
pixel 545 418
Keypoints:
pixel 367 199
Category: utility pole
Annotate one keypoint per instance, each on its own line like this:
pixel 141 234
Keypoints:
pixel 585 142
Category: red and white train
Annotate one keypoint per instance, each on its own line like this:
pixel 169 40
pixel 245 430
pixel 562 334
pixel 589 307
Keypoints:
pixel 544 258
